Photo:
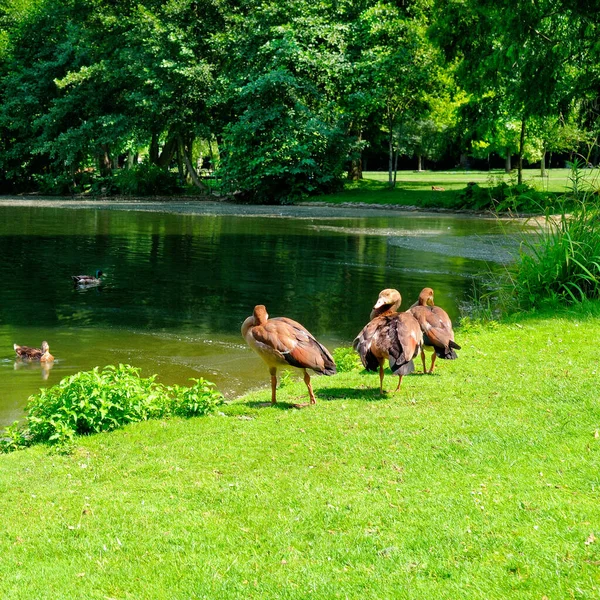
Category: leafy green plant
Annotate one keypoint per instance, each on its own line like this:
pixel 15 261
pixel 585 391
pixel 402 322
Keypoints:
pixel 346 359
pixel 50 184
pixel 146 179
pixel 102 400
pixel 197 400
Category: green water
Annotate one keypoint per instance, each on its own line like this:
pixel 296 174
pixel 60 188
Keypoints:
pixel 181 278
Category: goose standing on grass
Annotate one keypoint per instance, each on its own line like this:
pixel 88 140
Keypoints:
pixel 87 280
pixel 281 342
pixel 436 326
pixel 389 335
pixel 43 354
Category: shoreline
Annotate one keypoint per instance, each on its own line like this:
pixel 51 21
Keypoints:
pixel 209 206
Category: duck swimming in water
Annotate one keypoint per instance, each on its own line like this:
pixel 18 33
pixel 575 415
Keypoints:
pixel 282 342
pixel 389 335
pixel 28 353
pixel 87 280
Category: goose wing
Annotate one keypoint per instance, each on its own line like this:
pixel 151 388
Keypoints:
pixel 396 337
pixel 437 330
pixel 294 344
pixel 27 351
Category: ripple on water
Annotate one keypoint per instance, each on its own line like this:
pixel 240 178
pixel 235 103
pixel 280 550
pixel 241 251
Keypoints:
pixel 494 248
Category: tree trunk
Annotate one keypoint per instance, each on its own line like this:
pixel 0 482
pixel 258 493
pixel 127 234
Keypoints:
pixel 507 163
pixel 153 150
pixel 130 160
pixel 419 163
pixel 166 156
pixel 391 159
pixel 395 166
pixel 180 168
pixel 105 162
pixel 188 163
pixel 543 164
pixel 355 170
pixel 521 146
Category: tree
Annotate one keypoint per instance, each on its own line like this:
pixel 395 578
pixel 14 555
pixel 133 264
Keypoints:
pixel 398 64
pixel 528 57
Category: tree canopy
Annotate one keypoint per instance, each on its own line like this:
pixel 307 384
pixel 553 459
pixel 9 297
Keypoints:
pixel 286 96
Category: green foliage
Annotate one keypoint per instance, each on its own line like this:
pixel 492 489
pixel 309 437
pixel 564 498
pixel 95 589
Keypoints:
pixel 561 262
pixel 102 400
pixel 145 179
pixel 54 185
pixel 503 197
pixel 346 360
pixel 195 401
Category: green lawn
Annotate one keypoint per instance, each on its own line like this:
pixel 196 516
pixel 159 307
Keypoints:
pixel 414 188
pixel 480 481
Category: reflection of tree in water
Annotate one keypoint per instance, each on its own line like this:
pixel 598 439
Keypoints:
pixel 206 273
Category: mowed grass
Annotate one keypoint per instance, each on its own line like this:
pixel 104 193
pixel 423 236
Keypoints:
pixel 480 481
pixel 413 188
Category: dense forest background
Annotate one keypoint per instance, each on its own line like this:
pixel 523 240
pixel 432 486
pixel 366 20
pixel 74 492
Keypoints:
pixel 279 100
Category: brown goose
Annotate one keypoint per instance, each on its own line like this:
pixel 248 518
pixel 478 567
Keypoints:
pixel 281 342
pixel 436 326
pixel 389 335
pixel 43 354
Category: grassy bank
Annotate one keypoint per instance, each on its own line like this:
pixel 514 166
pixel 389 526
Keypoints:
pixel 480 481
pixel 415 188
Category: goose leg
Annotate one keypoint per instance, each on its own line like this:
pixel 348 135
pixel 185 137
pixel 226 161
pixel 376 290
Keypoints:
pixel 399 382
pixel 381 379
pixel 433 357
pixel 423 359
pixel 273 372
pixel 310 392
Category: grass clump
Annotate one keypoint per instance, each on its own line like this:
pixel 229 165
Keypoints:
pixel 561 262
pixel 102 400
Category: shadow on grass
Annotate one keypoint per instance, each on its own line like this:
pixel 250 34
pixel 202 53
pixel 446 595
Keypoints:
pixel 278 405
pixel 347 393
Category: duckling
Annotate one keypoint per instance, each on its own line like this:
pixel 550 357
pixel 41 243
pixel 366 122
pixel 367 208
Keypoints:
pixel 283 342
pixel 389 335
pixel 438 335
pixel 87 280
pixel 43 354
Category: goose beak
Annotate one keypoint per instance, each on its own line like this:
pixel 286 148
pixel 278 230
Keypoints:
pixel 380 302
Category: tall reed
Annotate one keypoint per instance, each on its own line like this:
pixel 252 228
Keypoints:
pixel 560 262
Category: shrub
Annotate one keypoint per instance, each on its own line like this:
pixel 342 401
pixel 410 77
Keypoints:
pixel 144 179
pixel 49 184
pixel 95 401
pixel 504 198
pixel 561 261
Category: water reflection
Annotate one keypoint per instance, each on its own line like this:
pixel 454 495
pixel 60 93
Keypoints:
pixel 34 365
pixel 178 286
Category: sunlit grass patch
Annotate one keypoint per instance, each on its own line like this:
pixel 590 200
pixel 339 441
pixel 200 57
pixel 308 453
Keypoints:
pixel 480 481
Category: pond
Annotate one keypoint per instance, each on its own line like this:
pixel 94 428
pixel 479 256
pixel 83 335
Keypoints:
pixel 182 276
